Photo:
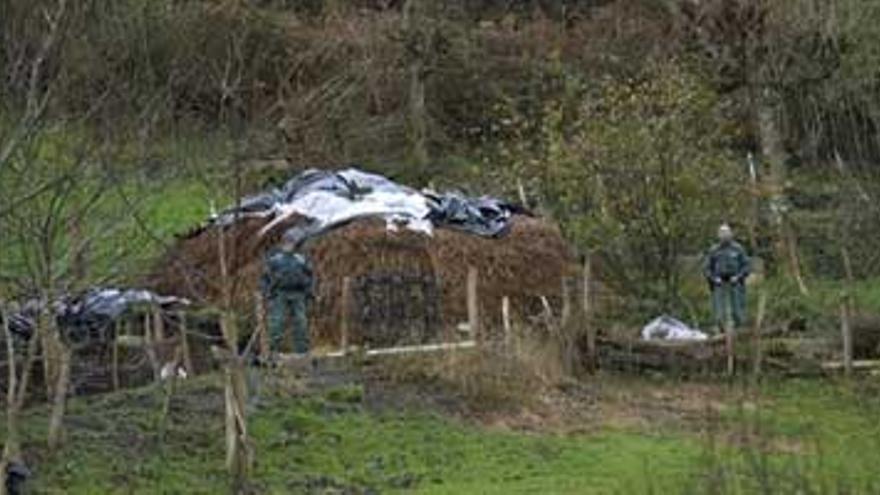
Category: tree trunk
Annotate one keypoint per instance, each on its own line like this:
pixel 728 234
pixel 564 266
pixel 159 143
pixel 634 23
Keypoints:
pixel 775 155
pixel 417 120
pixel 12 447
pixel 239 457
pixel 50 346
pixel 59 402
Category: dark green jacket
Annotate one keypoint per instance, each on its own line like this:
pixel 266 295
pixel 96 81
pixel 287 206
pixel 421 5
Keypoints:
pixel 727 262
pixel 286 272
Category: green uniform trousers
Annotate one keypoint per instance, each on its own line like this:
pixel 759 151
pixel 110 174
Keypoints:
pixel 288 305
pixel 729 299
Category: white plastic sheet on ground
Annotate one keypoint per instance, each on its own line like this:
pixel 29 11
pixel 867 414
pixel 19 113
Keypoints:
pixel 668 328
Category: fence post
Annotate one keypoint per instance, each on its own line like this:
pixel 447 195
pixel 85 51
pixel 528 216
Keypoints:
pixel 346 312
pixel 148 344
pixel 261 325
pixel 592 355
pixel 756 338
pixel 184 343
pixel 846 333
pixel 565 316
pixel 158 323
pixel 505 321
pixel 473 305
pixel 114 366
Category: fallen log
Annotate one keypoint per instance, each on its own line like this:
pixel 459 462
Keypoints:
pixel 859 364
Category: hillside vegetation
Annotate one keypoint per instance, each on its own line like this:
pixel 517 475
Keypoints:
pixel 637 126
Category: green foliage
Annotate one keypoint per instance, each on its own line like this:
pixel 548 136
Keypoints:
pixel 80 211
pixel 638 170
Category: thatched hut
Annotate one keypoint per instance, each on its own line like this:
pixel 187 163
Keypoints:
pixel 399 278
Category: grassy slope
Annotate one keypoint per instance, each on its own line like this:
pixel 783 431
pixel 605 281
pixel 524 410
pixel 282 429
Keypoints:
pixel 803 434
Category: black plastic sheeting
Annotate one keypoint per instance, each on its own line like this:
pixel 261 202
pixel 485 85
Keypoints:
pixel 87 315
pixel 484 216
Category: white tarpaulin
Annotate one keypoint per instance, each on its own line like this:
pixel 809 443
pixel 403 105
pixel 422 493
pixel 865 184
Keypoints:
pixel 328 209
pixel 328 199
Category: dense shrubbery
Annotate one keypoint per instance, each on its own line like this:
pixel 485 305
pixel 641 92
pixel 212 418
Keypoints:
pixel 628 120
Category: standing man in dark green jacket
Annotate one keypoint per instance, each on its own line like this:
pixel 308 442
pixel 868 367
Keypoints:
pixel 287 284
pixel 726 269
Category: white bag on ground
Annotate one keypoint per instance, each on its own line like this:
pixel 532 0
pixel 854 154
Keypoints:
pixel 668 328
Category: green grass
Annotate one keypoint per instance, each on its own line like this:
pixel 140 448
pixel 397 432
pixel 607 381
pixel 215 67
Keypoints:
pixel 801 434
pixel 431 454
pixel 806 436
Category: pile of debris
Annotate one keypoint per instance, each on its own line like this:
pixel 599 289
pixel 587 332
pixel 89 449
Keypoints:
pixel 92 326
pixel 87 317
pixel 360 225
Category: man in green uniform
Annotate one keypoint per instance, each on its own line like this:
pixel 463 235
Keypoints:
pixel 287 285
pixel 726 270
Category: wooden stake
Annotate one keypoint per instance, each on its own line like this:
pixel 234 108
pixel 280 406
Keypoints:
pixel 505 321
pixel 592 356
pixel 148 345
pixel 846 334
pixel 114 369
pixel 473 305
pixel 158 323
pixel 346 314
pixel 522 194
pixel 184 343
pixel 756 338
pixel 260 309
pixel 565 316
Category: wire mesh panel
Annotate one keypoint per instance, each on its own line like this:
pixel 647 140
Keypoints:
pixel 396 308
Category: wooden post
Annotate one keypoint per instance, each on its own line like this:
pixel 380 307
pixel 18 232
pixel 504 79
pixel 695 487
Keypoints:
pixel 846 334
pixel 524 201
pixel 260 309
pixel 473 305
pixel 592 356
pixel 756 338
pixel 505 321
pixel 565 316
pixel 149 345
pixel 184 343
pixel 346 314
pixel 114 369
pixel 158 323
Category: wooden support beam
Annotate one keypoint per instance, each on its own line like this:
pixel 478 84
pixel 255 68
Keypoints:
pixel 148 341
pixel 565 315
pixel 757 349
pixel 118 330
pixel 846 337
pixel 260 310
pixel 184 343
pixel 344 323
pixel 505 321
pixel 473 305
pixel 586 308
